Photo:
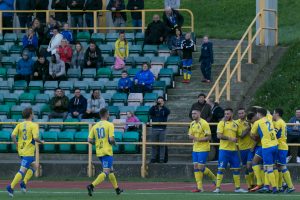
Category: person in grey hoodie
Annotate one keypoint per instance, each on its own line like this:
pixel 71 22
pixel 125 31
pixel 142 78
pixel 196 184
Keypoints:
pixel 57 69
pixel 94 105
pixel 78 57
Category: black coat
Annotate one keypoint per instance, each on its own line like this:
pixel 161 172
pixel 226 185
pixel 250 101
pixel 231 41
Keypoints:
pixel 207 52
pixel 42 70
pixel 135 3
pixel 204 108
pixel 41 5
pixel 159 115
pixel 78 106
pixel 61 5
pixel 93 5
pixel 25 5
pixel 154 31
pixel 179 21
pixel 121 6
pixel 94 57
pixel 78 6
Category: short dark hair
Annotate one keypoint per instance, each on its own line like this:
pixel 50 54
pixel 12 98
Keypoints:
pixel 27 112
pixel 77 88
pixel 56 27
pixel 279 111
pixel 103 112
pixel 58 88
pixel 228 109
pixel 241 108
pixel 262 111
pixel 250 116
pixel 160 97
pixel 92 42
pixel 196 110
pixel 202 95
pixel 124 71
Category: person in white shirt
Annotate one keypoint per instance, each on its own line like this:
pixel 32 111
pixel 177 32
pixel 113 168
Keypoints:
pixel 55 41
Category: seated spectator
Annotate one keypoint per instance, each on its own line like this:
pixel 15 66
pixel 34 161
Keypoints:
pixel 119 18
pixel 41 5
pixel 89 16
pixel 55 41
pixel 136 16
pixel 39 31
pixel 62 17
pixel 76 17
pixel 77 105
pixel 26 17
pixel 67 33
pixel 65 53
pixel 172 19
pixel 57 69
pixel 24 67
pixel 121 51
pixel 41 69
pixel 131 118
pixel 78 57
pixel 143 80
pixel 49 28
pixel 155 32
pixel 94 105
pixel 92 56
pixel 125 83
pixel 293 133
pixel 30 42
pixel 176 49
pixel 59 105
pixel 7 18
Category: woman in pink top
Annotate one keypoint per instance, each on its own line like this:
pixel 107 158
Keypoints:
pixel 131 118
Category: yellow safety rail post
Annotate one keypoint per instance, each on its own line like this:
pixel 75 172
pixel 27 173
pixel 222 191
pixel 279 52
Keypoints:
pixel 1 24
pixel 37 160
pixel 144 152
pixel 250 47
pixel 143 21
pixel 90 154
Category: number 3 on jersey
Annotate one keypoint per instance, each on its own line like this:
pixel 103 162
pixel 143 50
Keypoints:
pixel 100 133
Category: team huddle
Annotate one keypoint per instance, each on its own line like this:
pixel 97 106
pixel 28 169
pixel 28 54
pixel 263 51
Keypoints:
pixel 256 140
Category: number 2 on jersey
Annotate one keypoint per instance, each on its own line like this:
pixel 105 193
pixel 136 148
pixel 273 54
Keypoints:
pixel 270 130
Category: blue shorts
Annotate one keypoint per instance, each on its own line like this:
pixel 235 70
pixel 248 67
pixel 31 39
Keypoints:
pixel 258 151
pixel 200 157
pixel 187 62
pixel 246 156
pixel 26 161
pixel 269 155
pixel 107 161
pixel 281 157
pixel 231 157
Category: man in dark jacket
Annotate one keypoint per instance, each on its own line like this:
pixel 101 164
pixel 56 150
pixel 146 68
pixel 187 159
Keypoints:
pixel 203 106
pixel 119 18
pixel 91 5
pixel 92 56
pixel 172 19
pixel 77 105
pixel 41 69
pixel 156 32
pixel 136 16
pixel 41 5
pixel 7 18
pixel 158 113
pixel 25 18
pixel 59 105
pixel 62 17
pixel 76 18
pixel 206 59
pixel 293 134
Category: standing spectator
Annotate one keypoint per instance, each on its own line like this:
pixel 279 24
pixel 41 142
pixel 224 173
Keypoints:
pixel 203 106
pixel 92 56
pixel 158 113
pixel 78 57
pixel 67 33
pixel 76 18
pixel 175 4
pixel 187 46
pixel 49 28
pixel 25 18
pixel 7 18
pixel 293 133
pixel 125 83
pixel 65 53
pixel 89 16
pixel 144 80
pixel 156 32
pixel 55 41
pixel 24 67
pixel 94 105
pixel 57 69
pixel 206 59
pixel 62 17
pixel 121 51
pixel 41 5
pixel 39 31
pixel 41 69
pixel 176 41
pixel 172 19
pixel 136 16
pixel 77 105
pixel 59 104
pixel 131 118
pixel 30 42
pixel 119 18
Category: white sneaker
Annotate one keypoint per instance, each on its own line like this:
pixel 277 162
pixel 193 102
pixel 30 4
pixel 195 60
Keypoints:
pixel 298 159
pixel 288 159
pixel 240 190
pixel 217 190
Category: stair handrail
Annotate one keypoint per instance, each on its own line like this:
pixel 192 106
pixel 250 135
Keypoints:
pixel 238 50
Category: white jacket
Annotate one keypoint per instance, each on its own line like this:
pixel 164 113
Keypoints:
pixel 54 43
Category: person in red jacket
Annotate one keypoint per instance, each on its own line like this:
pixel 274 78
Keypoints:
pixel 65 52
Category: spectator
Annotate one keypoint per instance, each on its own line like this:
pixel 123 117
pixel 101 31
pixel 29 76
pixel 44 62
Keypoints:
pixel 78 57
pixel 7 18
pixel 158 113
pixel 30 42
pixel 77 105
pixel 65 53
pixel 172 19
pixel 175 4
pixel 119 18
pixel 94 105
pixel 67 33
pixel 76 18
pixel 92 56
pixel 55 41
pixel 131 119
pixel 59 105
pixel 143 80
pixel 125 83
pixel 206 59
pixel 57 69
pixel 41 69
pixel 62 17
pixel 121 51
pixel 50 26
pixel 156 32
pixel 203 106
pixel 41 5
pixel 293 133
pixel 24 67
pixel 187 46
pixel 39 31
pixel 176 42
pixel 136 16
pixel 89 16
pixel 25 18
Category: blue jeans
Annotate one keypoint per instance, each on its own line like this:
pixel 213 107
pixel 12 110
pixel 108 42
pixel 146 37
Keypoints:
pixel 137 23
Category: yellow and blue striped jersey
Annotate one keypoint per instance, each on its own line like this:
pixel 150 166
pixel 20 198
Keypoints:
pixel 229 129
pixel 200 130
pixel 281 134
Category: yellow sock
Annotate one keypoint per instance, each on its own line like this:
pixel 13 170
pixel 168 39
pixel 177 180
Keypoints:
pixel 287 178
pixel 237 180
pixel 272 180
pixel 262 175
pixel 251 174
pixel 99 179
pixel 219 180
pixel 199 179
pixel 17 179
pixel 184 75
pixel 208 172
pixel 256 170
pixel 189 76
pixel 248 180
pixel 113 180
pixel 28 176
pixel 280 177
pixel 276 177
pixel 267 181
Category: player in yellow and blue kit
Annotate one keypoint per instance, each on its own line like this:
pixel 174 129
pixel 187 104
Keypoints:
pixel 102 135
pixel 24 136
pixel 227 133
pixel 281 134
pixel 199 132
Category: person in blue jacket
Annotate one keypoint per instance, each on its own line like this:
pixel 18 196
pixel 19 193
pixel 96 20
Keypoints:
pixel 7 18
pixel 77 105
pixel 30 42
pixel 67 33
pixel 144 80
pixel 24 67
pixel 125 83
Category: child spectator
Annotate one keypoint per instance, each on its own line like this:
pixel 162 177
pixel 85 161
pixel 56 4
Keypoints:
pixel 187 46
pixel 121 51
pixel 78 57
pixel 67 34
pixel 125 83
pixel 131 118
